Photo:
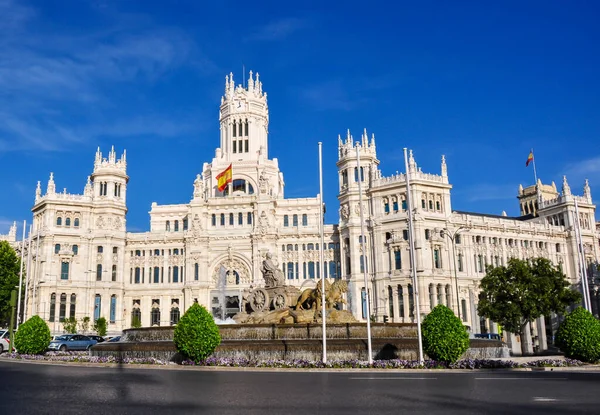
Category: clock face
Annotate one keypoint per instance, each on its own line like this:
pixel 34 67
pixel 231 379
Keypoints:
pixel 239 106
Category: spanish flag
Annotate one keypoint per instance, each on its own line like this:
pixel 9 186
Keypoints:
pixel 529 159
pixel 224 178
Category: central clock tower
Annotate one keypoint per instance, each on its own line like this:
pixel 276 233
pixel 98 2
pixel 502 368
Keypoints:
pixel 244 121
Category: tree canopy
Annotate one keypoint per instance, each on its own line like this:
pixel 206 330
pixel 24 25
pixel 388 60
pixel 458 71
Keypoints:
pixel 517 294
pixel 10 265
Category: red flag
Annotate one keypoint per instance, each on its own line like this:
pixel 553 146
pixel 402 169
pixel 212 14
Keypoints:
pixel 224 178
pixel 529 159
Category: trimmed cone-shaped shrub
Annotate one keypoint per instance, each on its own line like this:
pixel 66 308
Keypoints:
pixel 196 335
pixel 445 339
pixel 578 336
pixel 33 336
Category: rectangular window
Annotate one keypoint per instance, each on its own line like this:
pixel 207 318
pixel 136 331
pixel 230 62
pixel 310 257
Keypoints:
pixel 246 130
pixel 397 260
pixel 304 273
pixel 290 270
pixel 460 262
pixel 175 274
pixel 404 205
pixel 386 207
pixel 332 269
pixel 249 219
pixel 234 145
pixel 231 219
pixel 240 218
pixel 311 269
pixel 196 271
pixel 97 307
pixel 295 220
pixel 156 275
pixel 395 206
pixel 114 273
pixel 113 308
pixel 222 219
pixel 304 219
pixel 234 134
pixel 286 221
pixel 64 271
pixel 137 275
pixel 214 220
pixel 246 146
pixel 99 272
pixel 436 258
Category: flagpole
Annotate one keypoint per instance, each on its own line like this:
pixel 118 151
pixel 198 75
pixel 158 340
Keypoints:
pixel 27 273
pixel 21 274
pixel 364 255
pixel 534 169
pixel 321 253
pixel 413 267
pixel 581 260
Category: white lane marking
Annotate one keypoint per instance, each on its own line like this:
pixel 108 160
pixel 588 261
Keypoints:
pixel 521 378
pixel 543 399
pixel 391 378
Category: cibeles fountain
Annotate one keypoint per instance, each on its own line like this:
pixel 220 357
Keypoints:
pixel 282 322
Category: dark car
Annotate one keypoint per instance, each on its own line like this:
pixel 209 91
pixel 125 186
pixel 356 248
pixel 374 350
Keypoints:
pixel 98 339
pixel 115 339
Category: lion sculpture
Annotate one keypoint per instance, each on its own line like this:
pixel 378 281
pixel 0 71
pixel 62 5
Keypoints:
pixel 311 297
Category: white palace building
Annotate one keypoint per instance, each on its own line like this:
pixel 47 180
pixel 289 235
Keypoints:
pixel 84 262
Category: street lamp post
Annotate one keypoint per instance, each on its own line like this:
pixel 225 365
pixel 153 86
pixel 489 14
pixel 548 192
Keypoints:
pixel 452 236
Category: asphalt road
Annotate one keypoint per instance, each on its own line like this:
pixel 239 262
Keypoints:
pixel 68 389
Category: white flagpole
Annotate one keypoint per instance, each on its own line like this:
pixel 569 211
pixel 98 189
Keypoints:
pixel 581 259
pixel 364 254
pixel 321 259
pixel 37 273
pixel 534 169
pixel 411 241
pixel 27 273
pixel 21 274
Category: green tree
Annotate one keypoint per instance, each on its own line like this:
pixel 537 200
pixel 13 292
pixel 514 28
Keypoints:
pixel 135 322
pixel 70 325
pixel 10 266
pixel 196 335
pixel 85 324
pixel 579 336
pixel 100 326
pixel 517 294
pixel 33 336
pixel 444 337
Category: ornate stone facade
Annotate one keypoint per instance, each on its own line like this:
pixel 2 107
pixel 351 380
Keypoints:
pixel 210 249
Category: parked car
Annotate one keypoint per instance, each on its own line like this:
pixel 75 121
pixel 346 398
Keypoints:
pixel 99 339
pixel 115 339
pixel 4 340
pixel 68 342
pixel 488 336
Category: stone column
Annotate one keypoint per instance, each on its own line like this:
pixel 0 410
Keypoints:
pixel 527 339
pixel 474 316
pixel 395 305
pixel 493 327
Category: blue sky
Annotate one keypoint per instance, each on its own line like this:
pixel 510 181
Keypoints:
pixel 481 82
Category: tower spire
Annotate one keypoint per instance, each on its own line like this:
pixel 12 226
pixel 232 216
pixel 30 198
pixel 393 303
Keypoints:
pixel 444 167
pixel 566 190
pixel 51 188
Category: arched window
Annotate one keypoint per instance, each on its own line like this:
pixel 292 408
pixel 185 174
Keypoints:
pixel 231 219
pixel 400 294
pixel 100 249
pixel 62 311
pixel 240 218
pixel 73 305
pixel 59 221
pixel 52 307
pixel 68 222
pixel 155 315
pixel 175 251
pixel 295 220
pixel 386 206
pixel 175 315
pixel 168 226
pixel 440 294
pixel 76 222
pixel 56 248
pixel 431 205
pixel 156 252
pixel 176 226
pixel 249 219
pixel 113 308
pixel 222 219
pixel 99 272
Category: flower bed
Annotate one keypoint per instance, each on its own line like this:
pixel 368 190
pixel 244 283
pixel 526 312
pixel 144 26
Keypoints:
pixel 386 364
pixel 84 357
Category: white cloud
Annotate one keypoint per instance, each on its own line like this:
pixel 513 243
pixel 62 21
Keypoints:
pixel 278 29
pixel 55 86
pixel 589 167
